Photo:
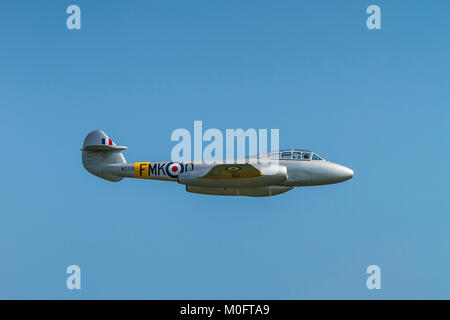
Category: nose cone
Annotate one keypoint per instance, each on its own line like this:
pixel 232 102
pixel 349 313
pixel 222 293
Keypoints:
pixel 325 172
pixel 342 173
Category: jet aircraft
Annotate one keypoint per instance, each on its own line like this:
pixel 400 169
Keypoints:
pixel 263 175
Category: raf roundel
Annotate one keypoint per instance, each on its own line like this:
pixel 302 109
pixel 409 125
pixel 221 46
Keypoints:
pixel 173 169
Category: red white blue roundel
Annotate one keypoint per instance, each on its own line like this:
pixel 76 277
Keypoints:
pixel 173 169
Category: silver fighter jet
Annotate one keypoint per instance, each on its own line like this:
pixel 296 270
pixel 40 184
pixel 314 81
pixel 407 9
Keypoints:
pixel 263 175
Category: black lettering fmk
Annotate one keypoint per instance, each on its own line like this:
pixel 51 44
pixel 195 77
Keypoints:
pixel 161 167
pixel 141 168
pixel 152 169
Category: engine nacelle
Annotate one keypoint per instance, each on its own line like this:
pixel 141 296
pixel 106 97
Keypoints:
pixel 266 191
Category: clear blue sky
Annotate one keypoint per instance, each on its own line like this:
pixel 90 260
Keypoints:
pixel 376 101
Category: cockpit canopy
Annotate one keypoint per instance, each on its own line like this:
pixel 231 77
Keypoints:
pixel 294 155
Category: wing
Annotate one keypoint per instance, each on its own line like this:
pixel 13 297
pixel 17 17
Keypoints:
pixel 234 175
pixel 233 171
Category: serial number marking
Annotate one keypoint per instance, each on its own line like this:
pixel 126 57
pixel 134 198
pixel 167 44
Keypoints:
pixel 234 309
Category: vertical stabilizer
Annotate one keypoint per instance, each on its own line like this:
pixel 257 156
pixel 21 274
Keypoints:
pixel 102 157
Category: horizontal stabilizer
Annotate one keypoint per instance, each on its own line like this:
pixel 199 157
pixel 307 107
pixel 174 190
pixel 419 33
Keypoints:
pixel 103 147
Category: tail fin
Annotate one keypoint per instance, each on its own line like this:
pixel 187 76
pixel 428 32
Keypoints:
pixel 102 157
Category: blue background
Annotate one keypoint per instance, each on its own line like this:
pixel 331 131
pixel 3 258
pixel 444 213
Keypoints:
pixel 373 100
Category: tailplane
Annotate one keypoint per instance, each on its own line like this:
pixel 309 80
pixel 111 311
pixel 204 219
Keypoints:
pixel 102 157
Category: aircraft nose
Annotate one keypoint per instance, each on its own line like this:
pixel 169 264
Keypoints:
pixel 348 174
pixel 343 173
